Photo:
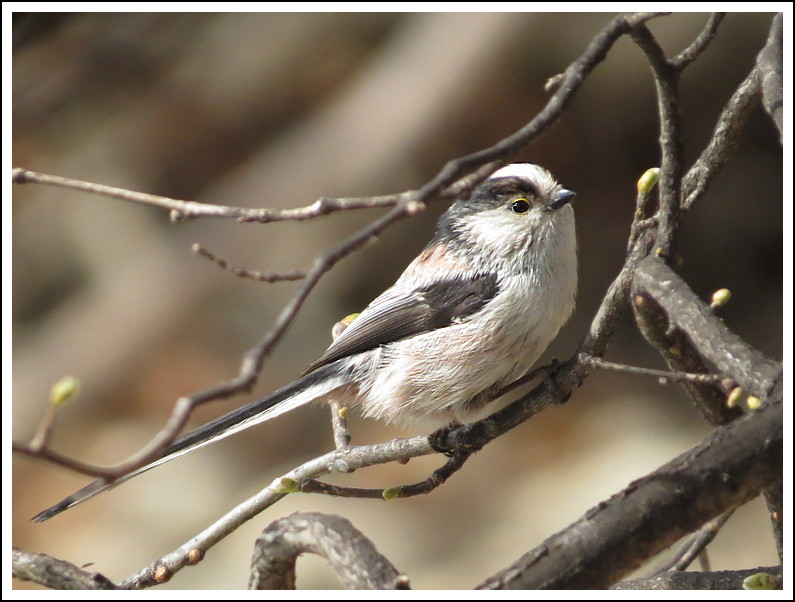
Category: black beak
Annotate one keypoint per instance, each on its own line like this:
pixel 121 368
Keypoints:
pixel 563 197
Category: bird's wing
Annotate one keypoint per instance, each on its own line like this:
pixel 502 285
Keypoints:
pixel 400 313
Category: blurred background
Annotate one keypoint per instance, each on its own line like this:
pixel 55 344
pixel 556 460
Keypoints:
pixel 275 110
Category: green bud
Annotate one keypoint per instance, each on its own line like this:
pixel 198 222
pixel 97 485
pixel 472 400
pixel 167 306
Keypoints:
pixel 390 493
pixel 754 403
pixel 760 581
pixel 649 180
pixel 64 390
pixel 720 297
pixel 735 397
pixel 285 485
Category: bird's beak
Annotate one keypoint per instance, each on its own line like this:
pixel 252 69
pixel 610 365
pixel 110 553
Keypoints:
pixel 563 197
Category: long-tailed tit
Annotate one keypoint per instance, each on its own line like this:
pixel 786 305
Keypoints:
pixel 468 316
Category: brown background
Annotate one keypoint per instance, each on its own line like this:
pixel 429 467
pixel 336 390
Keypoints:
pixel 275 110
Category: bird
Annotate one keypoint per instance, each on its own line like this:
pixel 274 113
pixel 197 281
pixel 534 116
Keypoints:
pixel 469 315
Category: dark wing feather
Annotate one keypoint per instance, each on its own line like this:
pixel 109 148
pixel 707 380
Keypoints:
pixel 398 314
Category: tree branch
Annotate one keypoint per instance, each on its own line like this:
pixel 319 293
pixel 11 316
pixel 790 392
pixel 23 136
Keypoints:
pixel 342 460
pixel 718 580
pixel 770 63
pixel 53 573
pixel 666 81
pixel 730 467
pixel 350 554
pixel 699 45
pixel 724 140
pixel 688 314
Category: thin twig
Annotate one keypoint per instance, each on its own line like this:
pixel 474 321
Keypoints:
pixel 694 546
pixel 183 210
pixel 321 487
pixel 666 81
pixel 699 45
pixel 245 273
pixel 344 460
pixel 453 179
pixel 437 478
pixel 724 139
pixel 663 375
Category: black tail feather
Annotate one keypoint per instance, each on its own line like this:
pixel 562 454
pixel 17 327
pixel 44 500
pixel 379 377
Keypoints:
pixel 207 433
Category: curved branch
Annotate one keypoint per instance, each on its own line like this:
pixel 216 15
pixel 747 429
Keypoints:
pixel 437 478
pixel 350 554
pixel 724 140
pixel 699 45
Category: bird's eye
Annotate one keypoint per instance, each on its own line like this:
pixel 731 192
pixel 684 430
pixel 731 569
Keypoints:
pixel 520 206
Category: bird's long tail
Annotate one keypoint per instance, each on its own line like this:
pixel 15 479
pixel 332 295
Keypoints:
pixel 318 383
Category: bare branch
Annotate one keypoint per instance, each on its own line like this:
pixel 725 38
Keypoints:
pixel 664 375
pixel 339 424
pixel 437 478
pixel 244 273
pixel 727 469
pixel 774 496
pixel 480 164
pixel 724 140
pixel 730 467
pixel 350 554
pixel 699 45
pixel 666 81
pixel 55 574
pixel 342 460
pixel 770 63
pixel 183 210
pixel 679 354
pixel 718 580
pixel 685 312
